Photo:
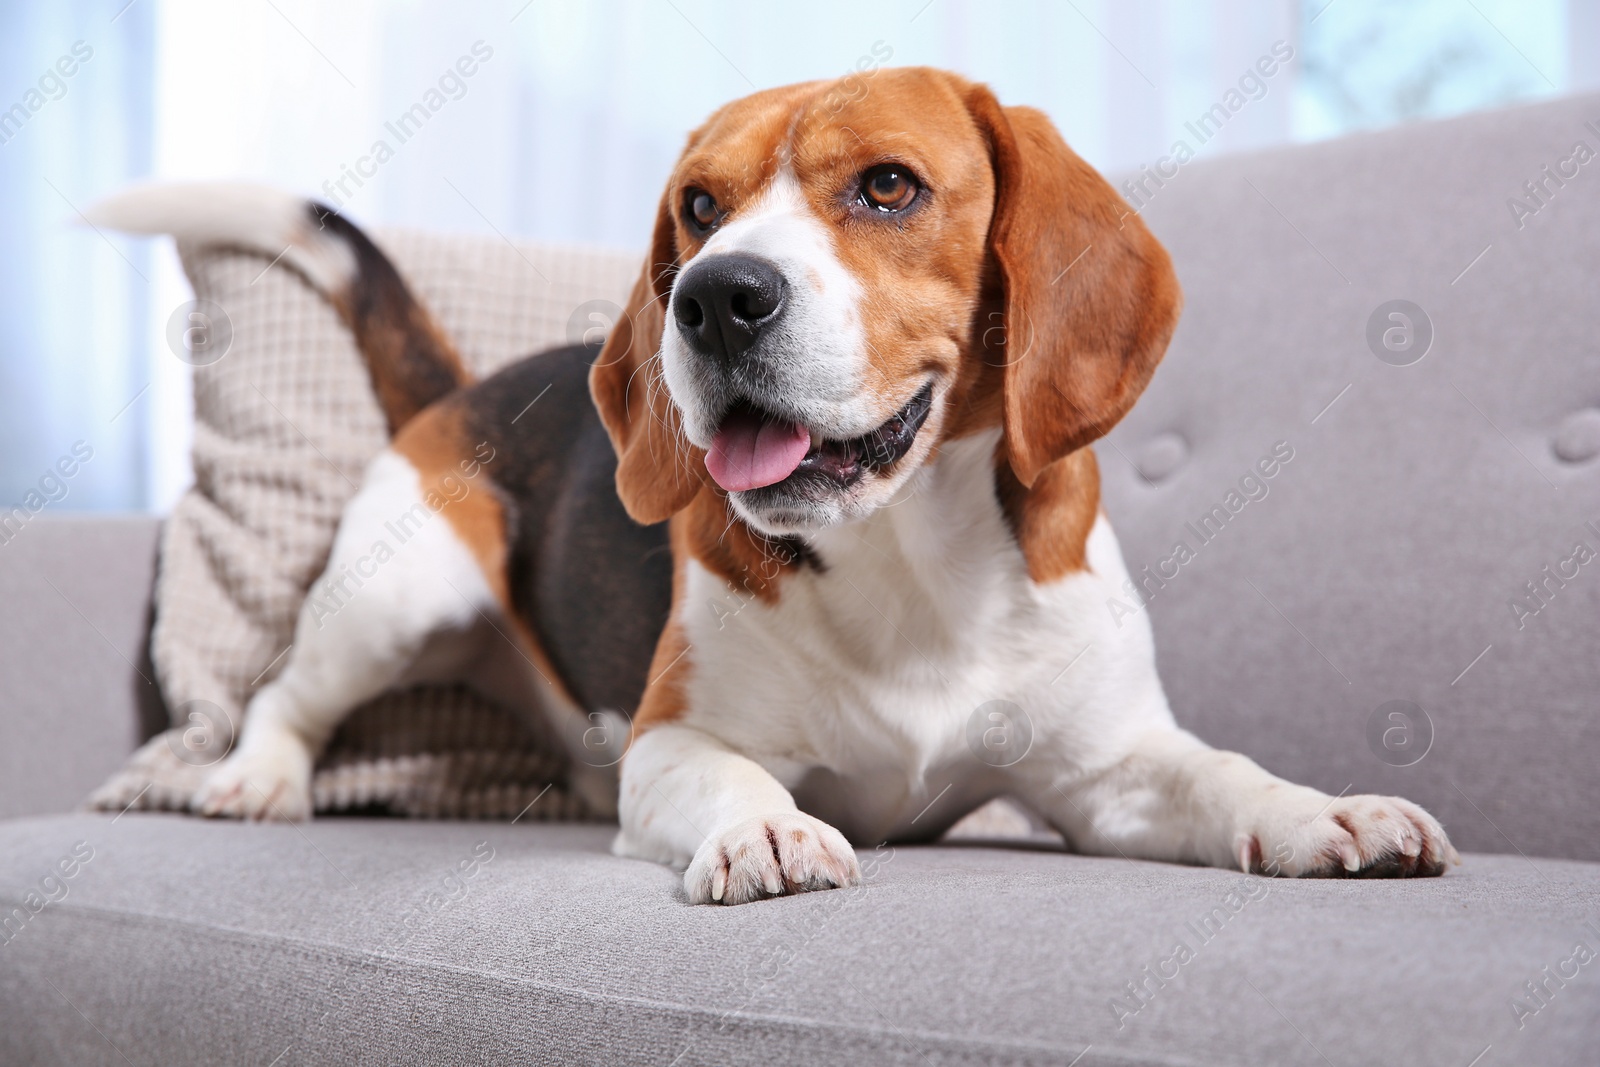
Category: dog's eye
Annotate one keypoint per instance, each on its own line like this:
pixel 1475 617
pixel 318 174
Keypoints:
pixel 889 187
pixel 701 207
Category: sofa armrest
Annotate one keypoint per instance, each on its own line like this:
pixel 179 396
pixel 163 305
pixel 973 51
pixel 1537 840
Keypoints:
pixel 77 690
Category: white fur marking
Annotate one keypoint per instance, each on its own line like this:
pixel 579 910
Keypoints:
pixel 397 575
pixel 817 352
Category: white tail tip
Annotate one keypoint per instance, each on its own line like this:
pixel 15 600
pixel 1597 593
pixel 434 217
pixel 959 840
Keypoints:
pixel 257 218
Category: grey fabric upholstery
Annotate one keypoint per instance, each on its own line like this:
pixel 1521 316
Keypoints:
pixel 184 941
pixel 1384 558
pixel 1378 567
pixel 75 680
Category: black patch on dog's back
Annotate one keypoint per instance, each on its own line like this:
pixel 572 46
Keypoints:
pixel 594 586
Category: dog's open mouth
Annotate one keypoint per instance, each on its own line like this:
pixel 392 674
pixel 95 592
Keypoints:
pixel 754 448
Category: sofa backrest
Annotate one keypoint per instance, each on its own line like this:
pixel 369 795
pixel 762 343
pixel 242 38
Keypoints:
pixel 77 689
pixel 1411 603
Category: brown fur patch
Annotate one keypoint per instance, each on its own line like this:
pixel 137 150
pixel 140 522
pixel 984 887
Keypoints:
pixel 665 694
pixel 658 471
pixel 1051 521
pixel 435 443
pixel 665 699
pixel 752 564
pixel 454 476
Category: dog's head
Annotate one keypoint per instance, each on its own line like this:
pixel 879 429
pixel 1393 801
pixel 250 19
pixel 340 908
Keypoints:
pixel 845 274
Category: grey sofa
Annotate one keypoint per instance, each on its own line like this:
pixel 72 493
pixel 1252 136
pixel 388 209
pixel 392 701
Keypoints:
pixel 1356 627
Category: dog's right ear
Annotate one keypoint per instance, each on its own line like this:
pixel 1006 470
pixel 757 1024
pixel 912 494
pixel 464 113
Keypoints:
pixel 658 470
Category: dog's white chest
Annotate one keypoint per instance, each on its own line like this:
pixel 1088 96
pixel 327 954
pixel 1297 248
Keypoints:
pixel 874 682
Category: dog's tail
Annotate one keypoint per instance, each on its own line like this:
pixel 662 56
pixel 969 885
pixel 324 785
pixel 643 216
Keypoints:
pixel 411 361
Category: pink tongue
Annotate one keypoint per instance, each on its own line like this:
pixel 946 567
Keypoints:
pixel 749 452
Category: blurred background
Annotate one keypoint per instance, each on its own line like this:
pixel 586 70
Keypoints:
pixel 569 123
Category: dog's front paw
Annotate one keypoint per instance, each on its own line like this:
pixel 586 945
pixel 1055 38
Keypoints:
pixel 769 856
pixel 265 778
pixel 1349 837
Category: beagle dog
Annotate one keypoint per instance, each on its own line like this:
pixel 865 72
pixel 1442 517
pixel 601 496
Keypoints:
pixel 826 547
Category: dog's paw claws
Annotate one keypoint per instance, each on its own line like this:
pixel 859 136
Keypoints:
pixel 769 856
pixel 1349 837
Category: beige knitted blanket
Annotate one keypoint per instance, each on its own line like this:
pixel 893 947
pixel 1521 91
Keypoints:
pixel 285 423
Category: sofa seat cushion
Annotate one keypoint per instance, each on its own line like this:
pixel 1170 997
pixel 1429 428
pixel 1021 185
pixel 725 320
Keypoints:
pixel 176 940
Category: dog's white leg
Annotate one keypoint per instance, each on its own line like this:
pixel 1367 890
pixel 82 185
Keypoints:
pixel 689 799
pixel 1174 798
pixel 397 575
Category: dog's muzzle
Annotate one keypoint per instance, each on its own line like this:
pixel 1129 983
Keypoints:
pixel 723 306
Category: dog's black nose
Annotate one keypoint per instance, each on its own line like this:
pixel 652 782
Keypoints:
pixel 722 303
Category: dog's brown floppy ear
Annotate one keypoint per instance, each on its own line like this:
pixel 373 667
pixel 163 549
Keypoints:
pixel 658 470
pixel 1090 296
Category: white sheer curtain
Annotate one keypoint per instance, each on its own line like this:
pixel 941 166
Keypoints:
pixel 572 114
pixel 74 121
